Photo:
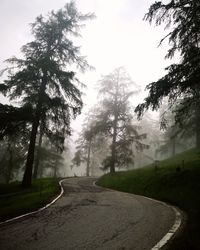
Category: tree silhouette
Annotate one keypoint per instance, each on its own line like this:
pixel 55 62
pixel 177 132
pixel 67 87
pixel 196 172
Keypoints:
pixel 88 142
pixel 114 118
pixel 182 79
pixel 44 77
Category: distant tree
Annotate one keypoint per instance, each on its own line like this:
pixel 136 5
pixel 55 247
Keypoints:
pixel 177 135
pixel 100 150
pixel 13 151
pixel 87 142
pixel 50 159
pixel 14 133
pixel 182 79
pixel 44 79
pixel 149 124
pixel 78 158
pixel 114 119
pixel 83 151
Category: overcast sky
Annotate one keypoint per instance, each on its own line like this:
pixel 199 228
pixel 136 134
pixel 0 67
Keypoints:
pixel 117 37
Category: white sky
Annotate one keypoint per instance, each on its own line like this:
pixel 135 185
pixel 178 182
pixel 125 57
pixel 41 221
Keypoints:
pixel 117 37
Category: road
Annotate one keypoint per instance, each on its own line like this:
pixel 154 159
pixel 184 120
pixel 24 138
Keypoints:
pixel 90 218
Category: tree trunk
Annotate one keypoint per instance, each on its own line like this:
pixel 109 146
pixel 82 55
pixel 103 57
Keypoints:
pixel 88 159
pixel 113 153
pixel 35 173
pixel 114 138
pixel 27 179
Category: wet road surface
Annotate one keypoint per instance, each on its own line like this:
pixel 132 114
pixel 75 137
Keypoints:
pixel 90 218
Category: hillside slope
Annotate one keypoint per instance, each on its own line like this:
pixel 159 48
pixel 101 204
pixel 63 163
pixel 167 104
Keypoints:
pixel 176 180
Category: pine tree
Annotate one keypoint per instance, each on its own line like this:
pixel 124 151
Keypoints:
pixel 182 79
pixel 44 79
pixel 88 142
pixel 114 119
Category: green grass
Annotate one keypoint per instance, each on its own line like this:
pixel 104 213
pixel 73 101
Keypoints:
pixel 16 200
pixel 168 183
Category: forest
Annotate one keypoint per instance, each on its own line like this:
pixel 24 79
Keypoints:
pixel 115 134
pixel 140 137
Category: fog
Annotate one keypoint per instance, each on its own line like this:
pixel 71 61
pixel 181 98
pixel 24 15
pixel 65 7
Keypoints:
pixel 117 37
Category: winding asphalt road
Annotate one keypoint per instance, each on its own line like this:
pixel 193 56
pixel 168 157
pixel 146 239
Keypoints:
pixel 91 218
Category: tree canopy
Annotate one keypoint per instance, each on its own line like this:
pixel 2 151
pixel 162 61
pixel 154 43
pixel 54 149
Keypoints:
pixel 182 80
pixel 43 77
pixel 115 119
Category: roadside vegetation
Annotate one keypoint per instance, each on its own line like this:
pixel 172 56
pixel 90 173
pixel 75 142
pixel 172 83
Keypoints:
pixel 34 134
pixel 175 180
pixel 16 200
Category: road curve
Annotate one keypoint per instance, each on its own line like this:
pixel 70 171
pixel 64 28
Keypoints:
pixel 90 218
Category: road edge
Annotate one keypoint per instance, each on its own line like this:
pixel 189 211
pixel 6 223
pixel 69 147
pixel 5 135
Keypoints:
pixel 172 231
pixel 38 210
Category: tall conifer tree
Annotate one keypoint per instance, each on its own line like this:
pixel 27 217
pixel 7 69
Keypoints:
pixel 182 79
pixel 44 77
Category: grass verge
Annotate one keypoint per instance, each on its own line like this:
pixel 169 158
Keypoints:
pixel 177 181
pixel 16 200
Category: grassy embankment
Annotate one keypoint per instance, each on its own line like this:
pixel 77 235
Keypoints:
pixel 16 200
pixel 177 181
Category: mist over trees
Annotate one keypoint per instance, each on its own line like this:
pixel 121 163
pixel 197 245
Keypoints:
pixel 181 83
pixel 12 155
pixel 91 145
pixel 113 123
pixel 46 91
pixel 43 80
pixel 115 119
